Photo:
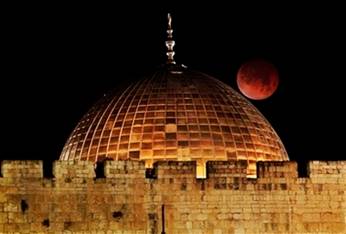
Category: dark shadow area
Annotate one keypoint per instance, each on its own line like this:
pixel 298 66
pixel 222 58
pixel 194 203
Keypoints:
pixel 99 170
pixel 151 173
pixel 24 206
pixel 45 223
pixel 117 215
pixel 48 169
pixel 67 224
pixel 303 169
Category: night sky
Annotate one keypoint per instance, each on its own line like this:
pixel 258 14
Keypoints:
pixel 59 60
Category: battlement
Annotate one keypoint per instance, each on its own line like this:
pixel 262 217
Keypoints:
pixel 277 169
pixel 22 169
pixel 325 168
pixel 167 169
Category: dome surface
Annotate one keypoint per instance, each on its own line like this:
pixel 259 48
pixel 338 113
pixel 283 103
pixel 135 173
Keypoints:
pixel 175 114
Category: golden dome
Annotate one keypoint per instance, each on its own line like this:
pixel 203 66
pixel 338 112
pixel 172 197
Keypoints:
pixel 175 114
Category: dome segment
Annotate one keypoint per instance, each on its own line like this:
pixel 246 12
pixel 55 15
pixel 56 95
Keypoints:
pixel 175 114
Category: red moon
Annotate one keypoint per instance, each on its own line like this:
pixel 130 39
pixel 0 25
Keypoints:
pixel 257 79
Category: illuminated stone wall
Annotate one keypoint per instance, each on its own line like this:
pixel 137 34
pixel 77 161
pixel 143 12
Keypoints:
pixel 125 201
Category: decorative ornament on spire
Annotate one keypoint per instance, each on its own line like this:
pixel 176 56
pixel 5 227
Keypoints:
pixel 170 42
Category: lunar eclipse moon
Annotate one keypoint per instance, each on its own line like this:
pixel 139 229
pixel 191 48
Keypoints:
pixel 257 79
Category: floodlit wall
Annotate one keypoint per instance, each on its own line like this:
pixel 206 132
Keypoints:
pixel 129 199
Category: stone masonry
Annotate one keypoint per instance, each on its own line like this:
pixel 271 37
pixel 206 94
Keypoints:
pixel 128 198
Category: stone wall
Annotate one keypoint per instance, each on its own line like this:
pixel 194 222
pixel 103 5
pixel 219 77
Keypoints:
pixel 125 201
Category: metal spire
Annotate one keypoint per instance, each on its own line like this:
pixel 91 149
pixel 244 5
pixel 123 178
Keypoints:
pixel 170 42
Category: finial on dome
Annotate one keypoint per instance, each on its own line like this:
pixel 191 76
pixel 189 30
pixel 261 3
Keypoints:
pixel 170 42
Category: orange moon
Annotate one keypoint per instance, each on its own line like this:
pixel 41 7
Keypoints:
pixel 257 79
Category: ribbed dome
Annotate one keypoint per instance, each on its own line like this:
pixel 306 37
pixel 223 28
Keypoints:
pixel 175 114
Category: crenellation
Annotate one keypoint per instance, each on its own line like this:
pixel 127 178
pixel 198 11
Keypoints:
pixel 325 171
pixel 175 169
pixel 282 169
pixel 22 169
pixel 124 169
pixel 73 169
pixel 328 172
pixel 237 169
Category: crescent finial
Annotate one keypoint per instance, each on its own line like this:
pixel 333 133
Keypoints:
pixel 170 42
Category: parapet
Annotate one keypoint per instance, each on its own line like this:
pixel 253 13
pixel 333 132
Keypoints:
pixel 22 169
pixel 327 172
pixel 325 168
pixel 167 169
pixel 280 169
pixel 170 169
pixel 73 170
pixel 121 169
pixel 227 169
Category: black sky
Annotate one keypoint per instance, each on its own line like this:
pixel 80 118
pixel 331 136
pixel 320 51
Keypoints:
pixel 58 60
